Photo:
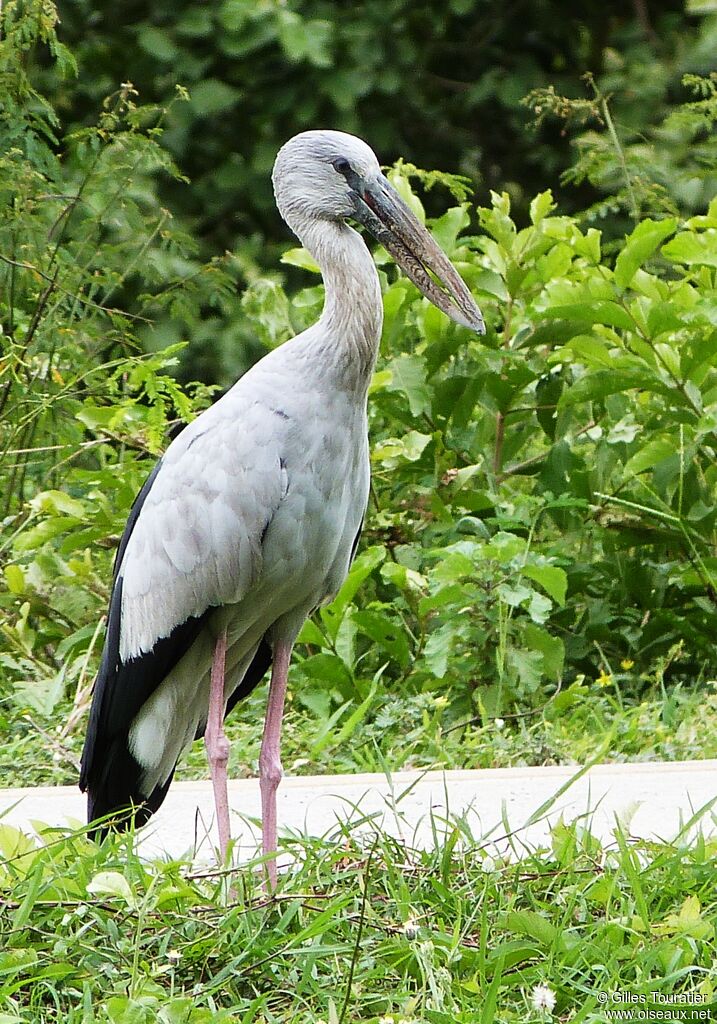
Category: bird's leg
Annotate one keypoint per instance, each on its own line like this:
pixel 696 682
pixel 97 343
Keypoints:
pixel 217 744
pixel 270 771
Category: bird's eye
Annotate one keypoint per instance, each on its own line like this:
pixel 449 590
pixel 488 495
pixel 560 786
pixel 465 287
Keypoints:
pixel 341 165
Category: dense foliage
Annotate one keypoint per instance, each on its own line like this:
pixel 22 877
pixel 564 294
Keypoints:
pixel 543 509
pixel 441 86
pixel 449 86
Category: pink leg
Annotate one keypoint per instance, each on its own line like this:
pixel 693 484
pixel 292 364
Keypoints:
pixel 217 744
pixel 270 771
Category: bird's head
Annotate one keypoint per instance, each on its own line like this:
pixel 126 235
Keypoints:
pixel 332 176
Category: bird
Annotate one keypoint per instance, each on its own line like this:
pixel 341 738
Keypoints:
pixel 251 518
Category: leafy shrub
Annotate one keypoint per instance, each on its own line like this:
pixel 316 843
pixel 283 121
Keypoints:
pixel 441 85
pixel 545 496
pixel 79 230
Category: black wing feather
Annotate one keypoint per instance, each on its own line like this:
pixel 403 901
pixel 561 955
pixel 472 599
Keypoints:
pixel 355 544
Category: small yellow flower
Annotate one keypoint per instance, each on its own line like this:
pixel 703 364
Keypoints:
pixel 627 664
pixel 604 679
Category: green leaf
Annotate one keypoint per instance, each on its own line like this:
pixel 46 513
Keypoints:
pixel 305 40
pixel 58 502
pixel 547 393
pixel 394 299
pixel 539 607
pixel 386 631
pixel 528 666
pixel 693 249
pixel 446 229
pixel 380 381
pixel 654 451
pixel 17 847
pixel 453 566
pixel 400 182
pixel 327 669
pixel 311 634
pixel 640 246
pixel 451 594
pixel 438 649
pixel 97 417
pixel 688 922
pixel 505 546
pixel 35 877
pixel 355 718
pixel 403 577
pixel 663 316
pixel 158 44
pixel 551 649
pixel 541 206
pixel 593 311
pixel 234 14
pixel 588 245
pixel 212 96
pixel 410 447
pixel 38 535
pixel 112 883
pixel 300 257
pixel 551 578
pixel 590 350
pixel 602 890
pixel 624 431
pixel 363 566
pixel 408 375
pixel 598 385
pixel 13 961
pixel 15 579
pixel 529 922
pixel 514 594
pixel 497 222
pixel 44 699
pixel 317 700
pixel 490 283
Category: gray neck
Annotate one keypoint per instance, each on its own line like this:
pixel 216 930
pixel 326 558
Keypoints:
pixel 348 331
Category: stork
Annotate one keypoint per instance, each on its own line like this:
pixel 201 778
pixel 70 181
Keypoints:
pixel 251 518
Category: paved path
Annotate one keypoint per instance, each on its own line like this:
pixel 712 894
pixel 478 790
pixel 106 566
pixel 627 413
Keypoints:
pixel 652 800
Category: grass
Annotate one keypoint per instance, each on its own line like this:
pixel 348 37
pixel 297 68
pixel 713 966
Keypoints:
pixel 410 731
pixel 362 930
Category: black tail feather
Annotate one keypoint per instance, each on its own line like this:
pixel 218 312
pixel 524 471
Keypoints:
pixel 114 796
pixel 114 799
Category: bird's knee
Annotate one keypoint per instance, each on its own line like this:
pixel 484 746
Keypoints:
pixel 217 749
pixel 271 771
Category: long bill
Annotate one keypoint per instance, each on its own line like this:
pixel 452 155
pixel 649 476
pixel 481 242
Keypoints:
pixel 382 211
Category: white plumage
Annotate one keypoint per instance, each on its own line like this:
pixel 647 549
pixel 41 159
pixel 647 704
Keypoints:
pixel 251 518
pixel 260 529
